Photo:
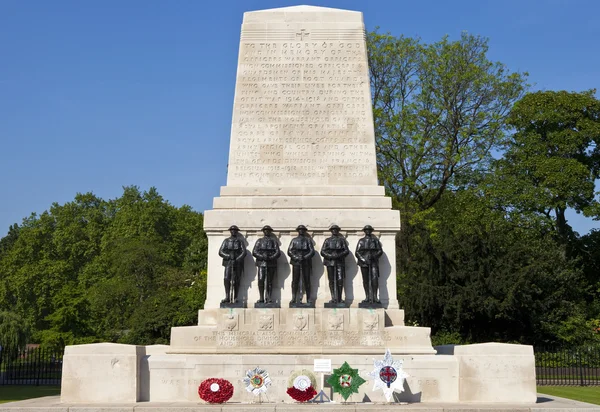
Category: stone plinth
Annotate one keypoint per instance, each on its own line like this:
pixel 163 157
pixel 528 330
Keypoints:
pixel 316 331
pixel 101 372
pixel 176 377
pixel 495 372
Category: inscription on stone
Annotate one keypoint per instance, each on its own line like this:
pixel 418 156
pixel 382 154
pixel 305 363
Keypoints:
pixel 302 113
pixel 298 338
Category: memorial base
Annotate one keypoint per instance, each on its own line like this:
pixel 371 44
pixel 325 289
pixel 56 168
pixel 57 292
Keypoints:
pixel 370 305
pixel 302 305
pixel 267 305
pixel 233 305
pixel 336 305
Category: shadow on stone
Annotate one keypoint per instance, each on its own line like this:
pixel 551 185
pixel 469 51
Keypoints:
pixel 407 395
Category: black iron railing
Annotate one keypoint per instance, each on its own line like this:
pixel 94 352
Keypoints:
pixel 570 367
pixel 30 366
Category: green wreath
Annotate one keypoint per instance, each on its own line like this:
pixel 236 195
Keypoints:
pixel 345 381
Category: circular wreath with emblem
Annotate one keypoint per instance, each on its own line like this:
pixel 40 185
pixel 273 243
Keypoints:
pixel 301 385
pixel 257 381
pixel 345 381
pixel 215 390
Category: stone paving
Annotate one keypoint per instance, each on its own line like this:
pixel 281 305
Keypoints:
pixel 544 403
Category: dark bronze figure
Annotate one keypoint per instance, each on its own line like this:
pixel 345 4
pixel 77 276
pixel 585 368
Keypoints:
pixel 301 251
pixel 368 251
pixel 334 252
pixel 233 252
pixel 266 251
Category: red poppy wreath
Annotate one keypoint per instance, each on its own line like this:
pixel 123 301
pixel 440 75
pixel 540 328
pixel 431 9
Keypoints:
pixel 215 390
pixel 301 385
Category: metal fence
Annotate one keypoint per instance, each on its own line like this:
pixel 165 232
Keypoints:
pixel 30 366
pixel 568 367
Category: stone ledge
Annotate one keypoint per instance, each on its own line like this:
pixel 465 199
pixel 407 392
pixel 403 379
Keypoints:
pixel 545 403
pixel 302 202
pixel 303 191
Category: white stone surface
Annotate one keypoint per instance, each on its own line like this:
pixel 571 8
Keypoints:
pixel 546 403
pixel 302 108
pixel 355 190
pixel 177 377
pixel 495 372
pixel 301 331
pixel 101 373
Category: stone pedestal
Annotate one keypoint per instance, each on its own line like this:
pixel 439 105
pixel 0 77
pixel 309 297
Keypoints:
pixel 316 331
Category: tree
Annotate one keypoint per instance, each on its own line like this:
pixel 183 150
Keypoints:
pixel 489 276
pixel 553 159
pixel 14 331
pixel 92 270
pixel 439 110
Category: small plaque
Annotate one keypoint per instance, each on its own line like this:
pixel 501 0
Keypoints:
pixel 322 365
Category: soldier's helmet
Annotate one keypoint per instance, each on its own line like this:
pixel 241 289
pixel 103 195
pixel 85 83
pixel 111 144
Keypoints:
pixel 334 227
pixel 267 227
pixel 301 227
pixel 367 227
pixel 234 227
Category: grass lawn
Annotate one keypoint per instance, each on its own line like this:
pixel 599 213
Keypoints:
pixel 12 393
pixel 590 394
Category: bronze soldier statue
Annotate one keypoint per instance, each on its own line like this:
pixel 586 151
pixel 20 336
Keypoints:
pixel 334 252
pixel 233 252
pixel 301 251
pixel 368 251
pixel 266 251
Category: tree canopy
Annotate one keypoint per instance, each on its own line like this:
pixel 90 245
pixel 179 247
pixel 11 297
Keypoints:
pixel 483 173
pixel 90 270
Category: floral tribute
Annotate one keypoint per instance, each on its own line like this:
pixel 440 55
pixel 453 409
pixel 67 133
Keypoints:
pixel 388 375
pixel 257 381
pixel 345 380
pixel 301 385
pixel 215 390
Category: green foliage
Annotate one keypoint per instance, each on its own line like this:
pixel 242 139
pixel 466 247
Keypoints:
pixel 14 332
pixel 439 110
pixel 485 252
pixel 92 270
pixel 486 276
pixel 553 159
pixel 447 338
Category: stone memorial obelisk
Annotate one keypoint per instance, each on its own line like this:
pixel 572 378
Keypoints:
pixel 302 152
pixel 302 149
pixel 301 162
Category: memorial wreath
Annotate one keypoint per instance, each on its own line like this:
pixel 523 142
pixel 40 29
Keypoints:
pixel 301 385
pixel 388 375
pixel 215 390
pixel 345 380
pixel 257 381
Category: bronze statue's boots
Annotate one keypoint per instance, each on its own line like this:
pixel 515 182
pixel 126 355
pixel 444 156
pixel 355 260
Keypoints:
pixel 227 292
pixel 333 294
pixel 339 294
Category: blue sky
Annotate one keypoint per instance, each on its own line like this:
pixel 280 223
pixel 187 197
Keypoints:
pixel 96 95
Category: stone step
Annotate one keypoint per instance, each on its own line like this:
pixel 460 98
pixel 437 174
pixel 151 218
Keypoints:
pixel 357 190
pixel 315 219
pixel 302 202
